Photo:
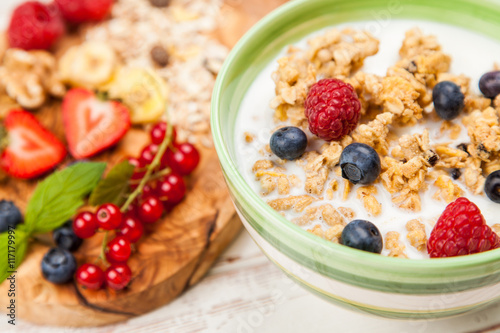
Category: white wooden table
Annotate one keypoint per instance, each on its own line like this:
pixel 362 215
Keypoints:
pixel 245 293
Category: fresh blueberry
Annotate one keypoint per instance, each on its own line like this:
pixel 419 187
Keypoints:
pixel 288 143
pixel 492 186
pixel 360 163
pixel 362 235
pixel 489 84
pixel 65 237
pixel 9 215
pixel 448 100
pixel 58 266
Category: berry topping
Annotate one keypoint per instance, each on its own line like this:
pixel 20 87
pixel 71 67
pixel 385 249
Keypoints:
pixel 84 10
pixel 332 108
pixel 30 150
pixel 460 230
pixel 34 25
pixel 65 237
pixel 92 125
pixel 118 250
pixel 489 84
pixel 448 100
pixel 492 186
pixel 158 132
pixel 171 189
pixel 182 158
pixel 150 209
pixel 58 266
pixel 10 215
pixel 362 235
pixel 108 216
pixel 288 143
pixel 118 276
pixel 90 276
pixel 85 225
pixel 360 163
pixel 131 229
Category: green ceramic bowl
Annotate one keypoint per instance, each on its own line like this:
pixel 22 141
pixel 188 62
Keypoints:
pixel 377 284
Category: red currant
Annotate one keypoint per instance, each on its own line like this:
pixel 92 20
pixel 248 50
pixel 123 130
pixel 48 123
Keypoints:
pixel 132 211
pixel 118 276
pixel 85 225
pixel 135 162
pixel 172 189
pixel 158 132
pixel 90 276
pixel 131 229
pixel 148 154
pixel 183 159
pixel 109 216
pixel 147 190
pixel 138 171
pixel 118 250
pixel 150 209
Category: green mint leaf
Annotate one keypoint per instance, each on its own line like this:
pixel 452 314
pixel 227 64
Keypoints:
pixel 57 198
pixel 114 187
pixel 13 246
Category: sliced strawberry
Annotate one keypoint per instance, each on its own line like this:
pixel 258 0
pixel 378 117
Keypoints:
pixel 30 149
pixel 91 124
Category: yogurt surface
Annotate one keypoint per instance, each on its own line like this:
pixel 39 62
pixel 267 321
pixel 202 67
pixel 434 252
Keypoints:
pixel 472 55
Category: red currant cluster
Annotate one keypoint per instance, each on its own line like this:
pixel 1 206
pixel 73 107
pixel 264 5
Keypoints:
pixel 163 189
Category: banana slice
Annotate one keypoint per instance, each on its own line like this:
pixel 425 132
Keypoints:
pixel 142 90
pixel 90 65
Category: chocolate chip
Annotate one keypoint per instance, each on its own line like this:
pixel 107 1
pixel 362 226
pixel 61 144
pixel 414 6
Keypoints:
pixel 160 3
pixel 456 173
pixel 433 159
pixel 160 56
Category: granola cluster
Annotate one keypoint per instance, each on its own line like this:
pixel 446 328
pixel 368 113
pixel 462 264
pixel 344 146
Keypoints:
pixel 316 196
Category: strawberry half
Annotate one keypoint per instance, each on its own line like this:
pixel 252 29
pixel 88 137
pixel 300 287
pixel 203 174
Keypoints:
pixel 92 125
pixel 30 149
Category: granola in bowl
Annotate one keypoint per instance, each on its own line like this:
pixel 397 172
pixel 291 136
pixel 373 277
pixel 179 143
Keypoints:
pixel 429 154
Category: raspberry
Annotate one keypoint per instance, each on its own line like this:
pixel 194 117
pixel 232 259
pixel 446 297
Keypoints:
pixel 332 109
pixel 84 10
pixel 34 25
pixel 460 230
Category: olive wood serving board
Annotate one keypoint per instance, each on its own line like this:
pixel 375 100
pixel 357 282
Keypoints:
pixel 174 254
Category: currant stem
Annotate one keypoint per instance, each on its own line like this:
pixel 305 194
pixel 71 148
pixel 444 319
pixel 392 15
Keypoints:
pixel 156 175
pixel 156 161
pixel 103 246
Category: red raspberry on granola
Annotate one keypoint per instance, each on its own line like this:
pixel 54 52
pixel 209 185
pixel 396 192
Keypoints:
pixel 332 108
pixel 461 230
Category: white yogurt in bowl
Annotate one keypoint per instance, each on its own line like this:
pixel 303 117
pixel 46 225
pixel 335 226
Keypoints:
pixel 256 118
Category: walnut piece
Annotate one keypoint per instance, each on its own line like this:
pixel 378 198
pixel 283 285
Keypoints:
pixel 29 77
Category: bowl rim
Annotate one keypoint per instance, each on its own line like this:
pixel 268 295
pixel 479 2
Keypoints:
pixel 429 266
